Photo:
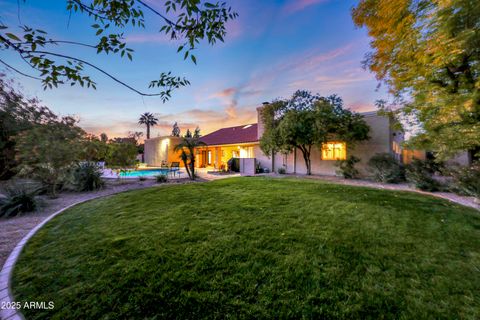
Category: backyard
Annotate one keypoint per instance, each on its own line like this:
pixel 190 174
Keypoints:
pixel 255 248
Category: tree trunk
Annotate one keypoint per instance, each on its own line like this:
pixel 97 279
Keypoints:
pixel 148 131
pixel 306 157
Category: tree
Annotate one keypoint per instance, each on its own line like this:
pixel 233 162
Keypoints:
pixel 17 114
pixel 427 53
pixel 185 20
pixel 122 154
pixel 47 151
pixel 187 152
pixel 175 130
pixel 94 149
pixel 306 121
pixel 196 133
pixel 149 120
pixel 103 137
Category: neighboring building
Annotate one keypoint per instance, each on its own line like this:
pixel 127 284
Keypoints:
pixel 243 142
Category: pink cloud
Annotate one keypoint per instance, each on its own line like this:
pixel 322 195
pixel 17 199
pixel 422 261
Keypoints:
pixel 298 5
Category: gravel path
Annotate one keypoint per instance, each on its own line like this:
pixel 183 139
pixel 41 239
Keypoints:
pixel 466 201
pixel 12 230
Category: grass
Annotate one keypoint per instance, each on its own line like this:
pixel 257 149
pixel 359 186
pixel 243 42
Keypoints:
pixel 256 248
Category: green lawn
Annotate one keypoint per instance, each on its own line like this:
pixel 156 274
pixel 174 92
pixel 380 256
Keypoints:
pixel 256 248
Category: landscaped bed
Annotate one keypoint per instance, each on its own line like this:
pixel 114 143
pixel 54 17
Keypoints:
pixel 256 248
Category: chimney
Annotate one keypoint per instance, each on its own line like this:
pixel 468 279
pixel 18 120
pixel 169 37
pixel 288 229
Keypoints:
pixel 260 125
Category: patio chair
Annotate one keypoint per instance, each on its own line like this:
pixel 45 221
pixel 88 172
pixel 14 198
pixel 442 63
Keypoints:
pixel 174 168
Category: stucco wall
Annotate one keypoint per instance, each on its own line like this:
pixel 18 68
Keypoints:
pixel 161 149
pixel 381 139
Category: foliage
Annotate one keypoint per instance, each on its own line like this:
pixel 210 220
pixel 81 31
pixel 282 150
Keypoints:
pixel 94 149
pixel 385 168
pixel 427 53
pixel 467 180
pixel 122 153
pixel 149 120
pixel 188 21
pixel 255 248
pixel 187 151
pixel 347 167
pixel 420 174
pixel 175 130
pixel 17 114
pixel 18 199
pixel 87 176
pixel 282 170
pixel 307 120
pixel 161 178
pixel 47 151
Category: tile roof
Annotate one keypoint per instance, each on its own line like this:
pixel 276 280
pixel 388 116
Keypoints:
pixel 232 135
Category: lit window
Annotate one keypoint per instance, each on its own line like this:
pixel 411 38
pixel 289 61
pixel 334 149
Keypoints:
pixel 334 151
pixel 209 157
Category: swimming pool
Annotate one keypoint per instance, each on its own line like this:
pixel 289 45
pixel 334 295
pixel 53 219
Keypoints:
pixel 144 173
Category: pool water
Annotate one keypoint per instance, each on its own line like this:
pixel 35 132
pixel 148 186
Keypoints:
pixel 144 173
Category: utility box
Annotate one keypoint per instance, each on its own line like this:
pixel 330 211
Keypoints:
pixel 247 166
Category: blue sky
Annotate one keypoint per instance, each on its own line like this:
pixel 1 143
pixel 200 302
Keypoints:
pixel 274 48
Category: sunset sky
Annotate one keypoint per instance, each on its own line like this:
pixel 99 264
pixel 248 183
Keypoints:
pixel 274 48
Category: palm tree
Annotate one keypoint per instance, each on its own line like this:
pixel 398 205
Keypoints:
pixel 149 120
pixel 187 148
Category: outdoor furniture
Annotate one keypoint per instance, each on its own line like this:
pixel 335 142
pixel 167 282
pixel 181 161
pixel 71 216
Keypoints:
pixel 174 168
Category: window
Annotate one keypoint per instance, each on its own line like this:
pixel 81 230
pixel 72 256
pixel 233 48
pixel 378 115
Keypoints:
pixel 209 157
pixel 334 151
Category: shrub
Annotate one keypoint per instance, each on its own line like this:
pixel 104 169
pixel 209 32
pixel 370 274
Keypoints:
pixel 258 168
pixel 385 168
pixel 281 170
pixel 87 176
pixel 467 180
pixel 19 199
pixel 142 178
pixel 420 173
pixel 161 178
pixel 347 167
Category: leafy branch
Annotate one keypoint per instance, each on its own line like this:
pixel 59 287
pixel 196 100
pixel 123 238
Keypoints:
pixel 195 21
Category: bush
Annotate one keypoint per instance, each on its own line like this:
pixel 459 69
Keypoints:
pixel 385 168
pixel 467 180
pixel 347 167
pixel 281 170
pixel 19 199
pixel 87 176
pixel 420 173
pixel 142 178
pixel 162 178
pixel 258 168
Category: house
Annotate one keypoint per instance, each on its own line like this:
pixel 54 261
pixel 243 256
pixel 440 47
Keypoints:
pixel 243 142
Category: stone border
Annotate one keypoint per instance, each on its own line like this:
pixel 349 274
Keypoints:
pixel 6 295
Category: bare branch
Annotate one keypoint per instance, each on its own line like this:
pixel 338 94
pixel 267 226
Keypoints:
pixel 18 71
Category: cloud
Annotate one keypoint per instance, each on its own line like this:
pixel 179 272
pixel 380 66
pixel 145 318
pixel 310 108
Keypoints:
pixel 294 6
